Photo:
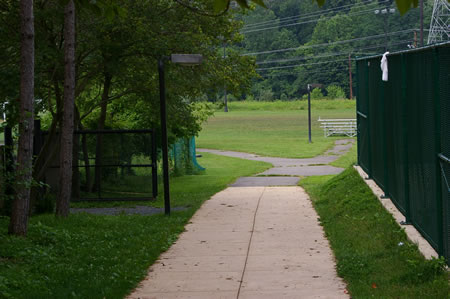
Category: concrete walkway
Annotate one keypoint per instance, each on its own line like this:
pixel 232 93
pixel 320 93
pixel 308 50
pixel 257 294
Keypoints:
pixel 287 172
pixel 248 242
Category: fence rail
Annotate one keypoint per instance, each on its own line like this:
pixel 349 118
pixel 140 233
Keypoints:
pixel 109 165
pixel 404 136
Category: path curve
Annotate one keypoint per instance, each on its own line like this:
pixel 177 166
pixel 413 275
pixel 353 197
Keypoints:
pixel 288 171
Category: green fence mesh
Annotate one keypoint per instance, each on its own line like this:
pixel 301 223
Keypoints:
pixel 183 156
pixel 444 162
pixel 404 136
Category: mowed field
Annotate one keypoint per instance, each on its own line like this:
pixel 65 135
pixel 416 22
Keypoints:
pixel 278 129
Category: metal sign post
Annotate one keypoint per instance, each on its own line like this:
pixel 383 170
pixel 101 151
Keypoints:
pixel 309 113
pixel 309 86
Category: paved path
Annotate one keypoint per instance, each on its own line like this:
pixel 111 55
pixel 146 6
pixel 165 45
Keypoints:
pixel 248 242
pixel 253 241
pixel 293 168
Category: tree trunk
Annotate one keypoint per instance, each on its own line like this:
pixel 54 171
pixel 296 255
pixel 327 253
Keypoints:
pixel 101 126
pixel 19 215
pixel 66 135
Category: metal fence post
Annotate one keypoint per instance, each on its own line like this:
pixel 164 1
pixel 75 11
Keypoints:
pixel 154 165
pixel 405 142
pixel 9 161
pixel 37 143
pixel 437 140
pixel 369 139
pixel 384 139
pixel 358 103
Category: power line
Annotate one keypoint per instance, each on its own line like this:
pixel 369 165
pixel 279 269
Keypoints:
pixel 329 55
pixel 312 14
pixel 314 63
pixel 307 22
pixel 327 44
pixel 303 64
pixel 268 75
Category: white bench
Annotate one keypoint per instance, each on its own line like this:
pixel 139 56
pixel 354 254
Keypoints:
pixel 338 127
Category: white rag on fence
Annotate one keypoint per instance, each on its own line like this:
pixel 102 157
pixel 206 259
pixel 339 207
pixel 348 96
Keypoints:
pixel 384 67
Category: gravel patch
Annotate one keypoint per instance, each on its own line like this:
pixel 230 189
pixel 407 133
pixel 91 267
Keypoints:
pixel 138 210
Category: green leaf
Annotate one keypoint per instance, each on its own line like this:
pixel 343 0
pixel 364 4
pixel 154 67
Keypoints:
pixel 243 3
pixel 320 2
pixel 404 5
pixel 220 5
pixel 261 3
pixel 95 9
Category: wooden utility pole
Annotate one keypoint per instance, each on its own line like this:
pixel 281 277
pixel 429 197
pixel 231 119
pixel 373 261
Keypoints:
pixel 350 75
pixel 415 39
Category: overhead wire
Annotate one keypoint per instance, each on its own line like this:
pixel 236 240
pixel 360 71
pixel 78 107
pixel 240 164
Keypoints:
pixel 302 64
pixel 314 13
pixel 307 64
pixel 255 27
pixel 306 22
pixel 327 44
pixel 292 73
pixel 331 54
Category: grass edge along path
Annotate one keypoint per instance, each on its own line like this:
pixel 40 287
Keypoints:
pixel 347 159
pixel 373 254
pixel 91 256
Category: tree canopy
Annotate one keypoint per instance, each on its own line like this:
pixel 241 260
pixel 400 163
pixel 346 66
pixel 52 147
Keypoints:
pixel 296 43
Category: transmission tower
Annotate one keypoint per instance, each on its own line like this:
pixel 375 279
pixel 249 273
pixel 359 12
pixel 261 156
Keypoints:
pixel 440 22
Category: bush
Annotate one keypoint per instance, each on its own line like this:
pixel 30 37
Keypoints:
pixel 316 94
pixel 335 92
pixel 284 97
pixel 266 95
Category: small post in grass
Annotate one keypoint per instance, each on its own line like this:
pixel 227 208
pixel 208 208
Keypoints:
pixel 309 113
pixel 309 86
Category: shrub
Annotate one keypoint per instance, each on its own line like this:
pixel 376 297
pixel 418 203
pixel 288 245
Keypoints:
pixel 335 92
pixel 266 95
pixel 316 94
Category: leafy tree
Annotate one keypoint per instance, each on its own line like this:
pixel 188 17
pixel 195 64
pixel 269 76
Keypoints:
pixel 321 57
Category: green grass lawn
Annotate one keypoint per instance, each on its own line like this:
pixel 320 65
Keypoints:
pixel 348 159
pixel 372 251
pixel 88 256
pixel 278 129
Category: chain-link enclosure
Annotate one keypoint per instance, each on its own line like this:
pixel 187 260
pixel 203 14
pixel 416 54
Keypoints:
pixel 110 165
pixel 404 135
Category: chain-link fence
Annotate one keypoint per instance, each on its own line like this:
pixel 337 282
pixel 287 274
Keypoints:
pixel 404 135
pixel 108 165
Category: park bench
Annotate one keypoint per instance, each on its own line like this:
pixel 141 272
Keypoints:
pixel 338 127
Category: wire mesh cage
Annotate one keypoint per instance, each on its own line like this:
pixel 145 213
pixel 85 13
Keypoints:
pixel 110 165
